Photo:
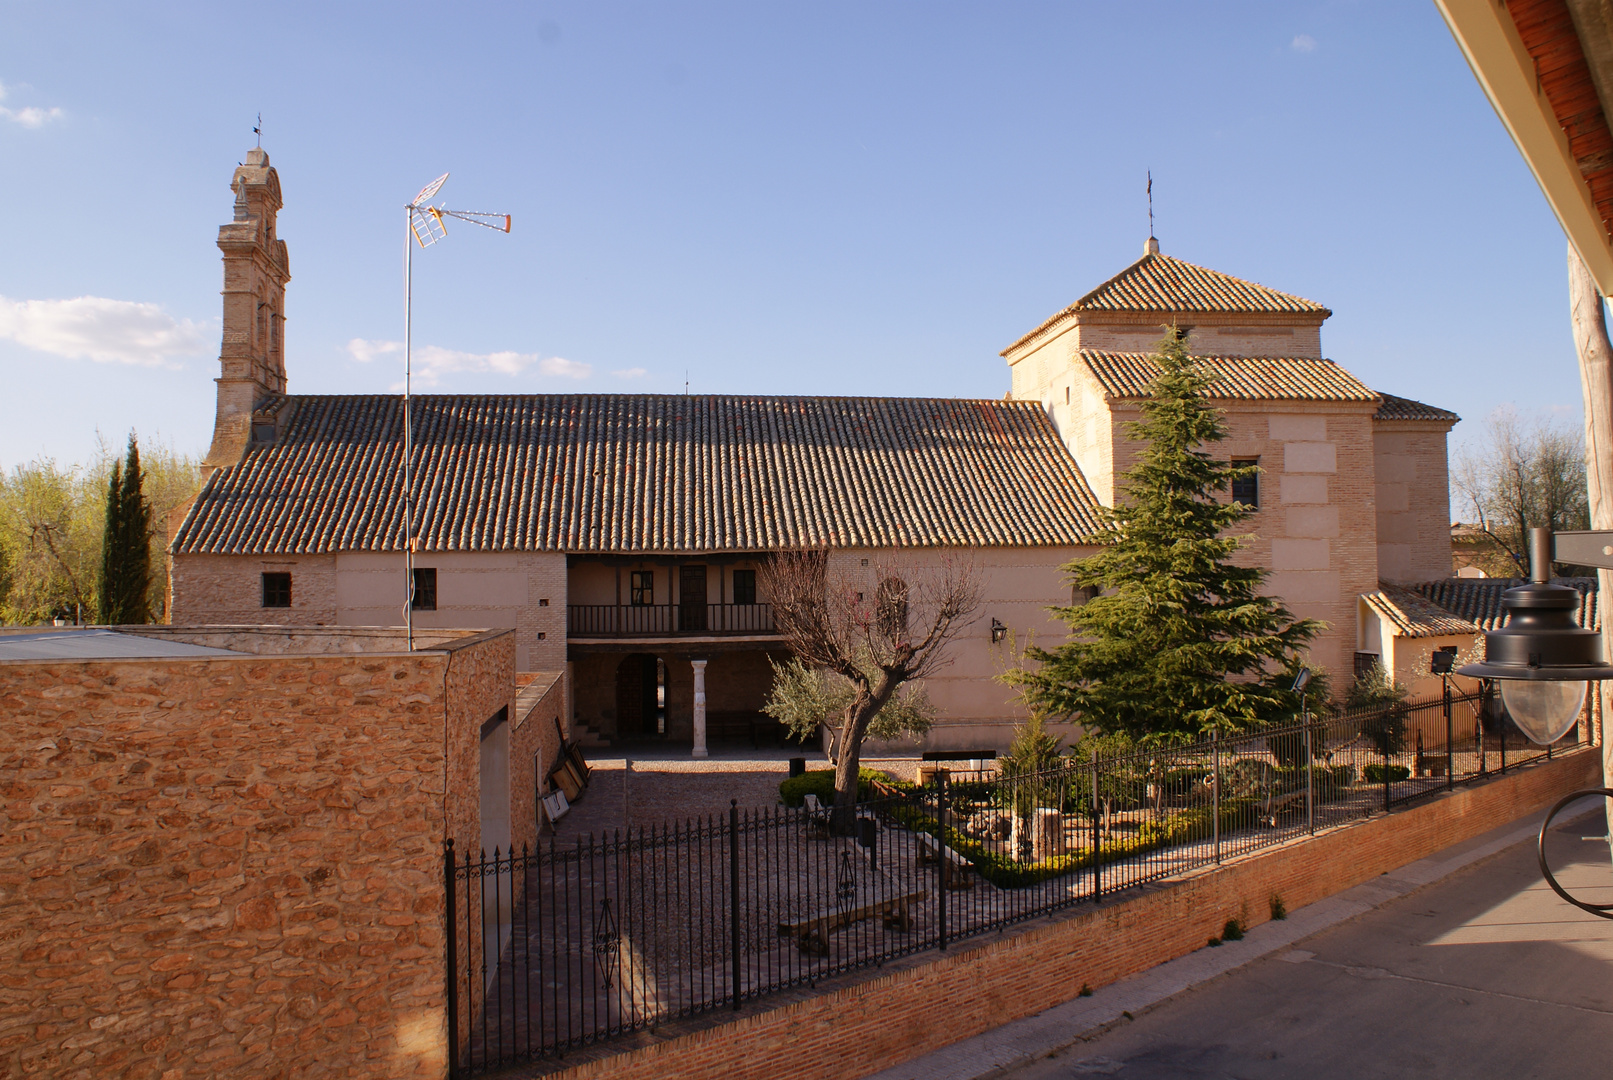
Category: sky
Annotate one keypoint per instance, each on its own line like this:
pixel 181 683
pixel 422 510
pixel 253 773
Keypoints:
pixel 830 198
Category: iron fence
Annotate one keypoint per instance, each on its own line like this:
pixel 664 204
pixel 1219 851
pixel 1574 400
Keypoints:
pixel 569 945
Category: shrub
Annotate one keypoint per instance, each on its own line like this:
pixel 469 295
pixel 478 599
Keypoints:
pixel 1279 910
pixel 1379 774
pixel 1232 931
pixel 821 782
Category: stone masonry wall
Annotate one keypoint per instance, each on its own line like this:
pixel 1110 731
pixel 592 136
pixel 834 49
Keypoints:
pixel 1413 500
pixel 878 1023
pixel 232 867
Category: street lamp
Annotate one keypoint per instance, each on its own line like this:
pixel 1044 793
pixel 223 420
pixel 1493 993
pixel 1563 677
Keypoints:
pixel 1542 658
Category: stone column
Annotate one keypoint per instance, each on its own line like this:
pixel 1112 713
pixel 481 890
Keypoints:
pixel 699 708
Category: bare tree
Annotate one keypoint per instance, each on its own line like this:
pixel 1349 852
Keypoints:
pixel 1523 475
pixel 877 635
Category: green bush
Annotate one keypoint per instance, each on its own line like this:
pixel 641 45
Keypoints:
pixel 821 782
pixel 1376 774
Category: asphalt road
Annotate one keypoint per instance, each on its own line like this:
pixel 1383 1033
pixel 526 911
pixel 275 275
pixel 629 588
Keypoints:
pixel 1485 973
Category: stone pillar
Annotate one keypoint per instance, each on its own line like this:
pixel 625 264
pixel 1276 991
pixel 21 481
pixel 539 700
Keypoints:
pixel 699 708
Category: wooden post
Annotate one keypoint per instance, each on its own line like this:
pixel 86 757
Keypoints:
pixel 1596 379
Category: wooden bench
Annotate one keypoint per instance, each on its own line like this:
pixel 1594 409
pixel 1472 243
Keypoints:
pixel 955 869
pixel 812 934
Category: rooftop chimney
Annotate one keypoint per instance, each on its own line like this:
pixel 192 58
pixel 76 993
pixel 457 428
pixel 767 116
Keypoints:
pixel 1151 246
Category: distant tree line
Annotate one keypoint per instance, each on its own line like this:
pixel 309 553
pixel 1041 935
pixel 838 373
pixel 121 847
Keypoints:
pixel 87 543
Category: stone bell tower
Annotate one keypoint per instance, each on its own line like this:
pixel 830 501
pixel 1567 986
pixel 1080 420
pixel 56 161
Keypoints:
pixel 252 357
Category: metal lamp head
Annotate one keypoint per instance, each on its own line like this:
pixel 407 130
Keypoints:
pixel 1542 655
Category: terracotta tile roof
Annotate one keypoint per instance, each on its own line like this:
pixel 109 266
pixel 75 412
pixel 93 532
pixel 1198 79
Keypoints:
pixel 1248 378
pixel 1478 600
pixel 1399 408
pixel 1162 285
pixel 576 472
pixel 1414 615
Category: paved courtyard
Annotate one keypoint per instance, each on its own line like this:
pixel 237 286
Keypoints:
pixel 1484 973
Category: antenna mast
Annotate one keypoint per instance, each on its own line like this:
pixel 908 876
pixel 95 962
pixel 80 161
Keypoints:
pixel 426 226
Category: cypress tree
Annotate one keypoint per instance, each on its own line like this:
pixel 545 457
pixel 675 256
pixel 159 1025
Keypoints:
pixel 126 545
pixel 1178 640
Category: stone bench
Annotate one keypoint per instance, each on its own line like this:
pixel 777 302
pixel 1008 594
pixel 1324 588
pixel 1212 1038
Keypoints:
pixel 955 869
pixel 812 934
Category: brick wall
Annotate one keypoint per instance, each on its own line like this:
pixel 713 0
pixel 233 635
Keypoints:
pixel 533 738
pixel 232 866
pixel 878 1023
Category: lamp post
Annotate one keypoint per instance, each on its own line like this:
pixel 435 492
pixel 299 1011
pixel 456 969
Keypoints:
pixel 1301 682
pixel 1544 661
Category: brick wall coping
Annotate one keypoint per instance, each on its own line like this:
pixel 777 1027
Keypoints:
pixel 436 642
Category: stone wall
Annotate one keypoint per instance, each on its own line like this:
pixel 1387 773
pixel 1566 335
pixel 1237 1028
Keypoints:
pixel 523 591
pixel 232 866
pixel 877 1023
pixel 534 738
pixel 1413 500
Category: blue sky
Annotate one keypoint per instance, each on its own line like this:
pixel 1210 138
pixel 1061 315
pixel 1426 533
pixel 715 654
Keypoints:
pixel 809 198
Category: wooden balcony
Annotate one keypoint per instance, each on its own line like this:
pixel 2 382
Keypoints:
pixel 668 620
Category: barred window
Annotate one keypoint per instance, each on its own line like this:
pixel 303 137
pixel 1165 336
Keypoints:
pixel 1246 489
pixel 425 588
pixel 276 588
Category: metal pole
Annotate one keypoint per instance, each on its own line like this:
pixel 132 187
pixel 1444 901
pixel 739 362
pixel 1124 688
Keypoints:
pixel 733 894
pixel 941 863
pixel 1097 838
pixel 453 958
pixel 1310 766
pixel 1450 737
pixel 1215 791
pixel 408 434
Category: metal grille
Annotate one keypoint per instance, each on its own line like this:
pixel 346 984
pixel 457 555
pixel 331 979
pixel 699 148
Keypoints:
pixel 572 945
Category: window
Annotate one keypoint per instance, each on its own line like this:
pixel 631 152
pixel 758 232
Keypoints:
pixel 1066 395
pixel 1364 663
pixel 1246 489
pixel 425 589
pixel 1080 594
pixel 643 588
pixel 277 588
pixel 744 586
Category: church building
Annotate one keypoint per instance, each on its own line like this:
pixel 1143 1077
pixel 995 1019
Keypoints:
pixel 621 535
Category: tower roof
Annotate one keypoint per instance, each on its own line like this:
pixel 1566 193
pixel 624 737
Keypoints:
pixel 1162 285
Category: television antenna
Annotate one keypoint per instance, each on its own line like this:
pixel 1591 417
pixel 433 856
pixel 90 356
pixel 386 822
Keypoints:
pixel 427 224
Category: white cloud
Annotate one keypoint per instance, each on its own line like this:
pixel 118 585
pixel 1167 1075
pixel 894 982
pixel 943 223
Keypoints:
pixel 95 328
pixel 630 373
pixel 1303 43
pixel 431 362
pixel 31 116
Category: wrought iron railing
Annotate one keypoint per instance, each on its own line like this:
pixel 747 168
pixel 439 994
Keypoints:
pixel 653 620
pixel 571 945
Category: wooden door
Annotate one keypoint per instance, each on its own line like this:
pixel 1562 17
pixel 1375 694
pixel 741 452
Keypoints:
pixel 691 598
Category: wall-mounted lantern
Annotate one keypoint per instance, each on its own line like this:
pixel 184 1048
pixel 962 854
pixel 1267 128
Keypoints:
pixel 1543 660
pixel 998 632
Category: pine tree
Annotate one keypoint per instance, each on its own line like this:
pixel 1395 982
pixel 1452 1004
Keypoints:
pixel 126 545
pixel 1178 640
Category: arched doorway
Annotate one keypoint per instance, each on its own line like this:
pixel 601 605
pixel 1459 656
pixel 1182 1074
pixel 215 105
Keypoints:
pixel 641 684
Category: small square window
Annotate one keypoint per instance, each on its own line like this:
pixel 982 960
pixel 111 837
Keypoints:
pixel 425 588
pixel 1246 489
pixel 542 635
pixel 643 588
pixel 744 586
pixel 544 602
pixel 277 589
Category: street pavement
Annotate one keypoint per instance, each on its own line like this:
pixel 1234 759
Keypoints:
pixel 1464 965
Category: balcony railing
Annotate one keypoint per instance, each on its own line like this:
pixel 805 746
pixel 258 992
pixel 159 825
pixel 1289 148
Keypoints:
pixel 659 620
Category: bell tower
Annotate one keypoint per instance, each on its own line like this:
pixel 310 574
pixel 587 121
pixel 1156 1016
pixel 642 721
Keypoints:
pixel 252 357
